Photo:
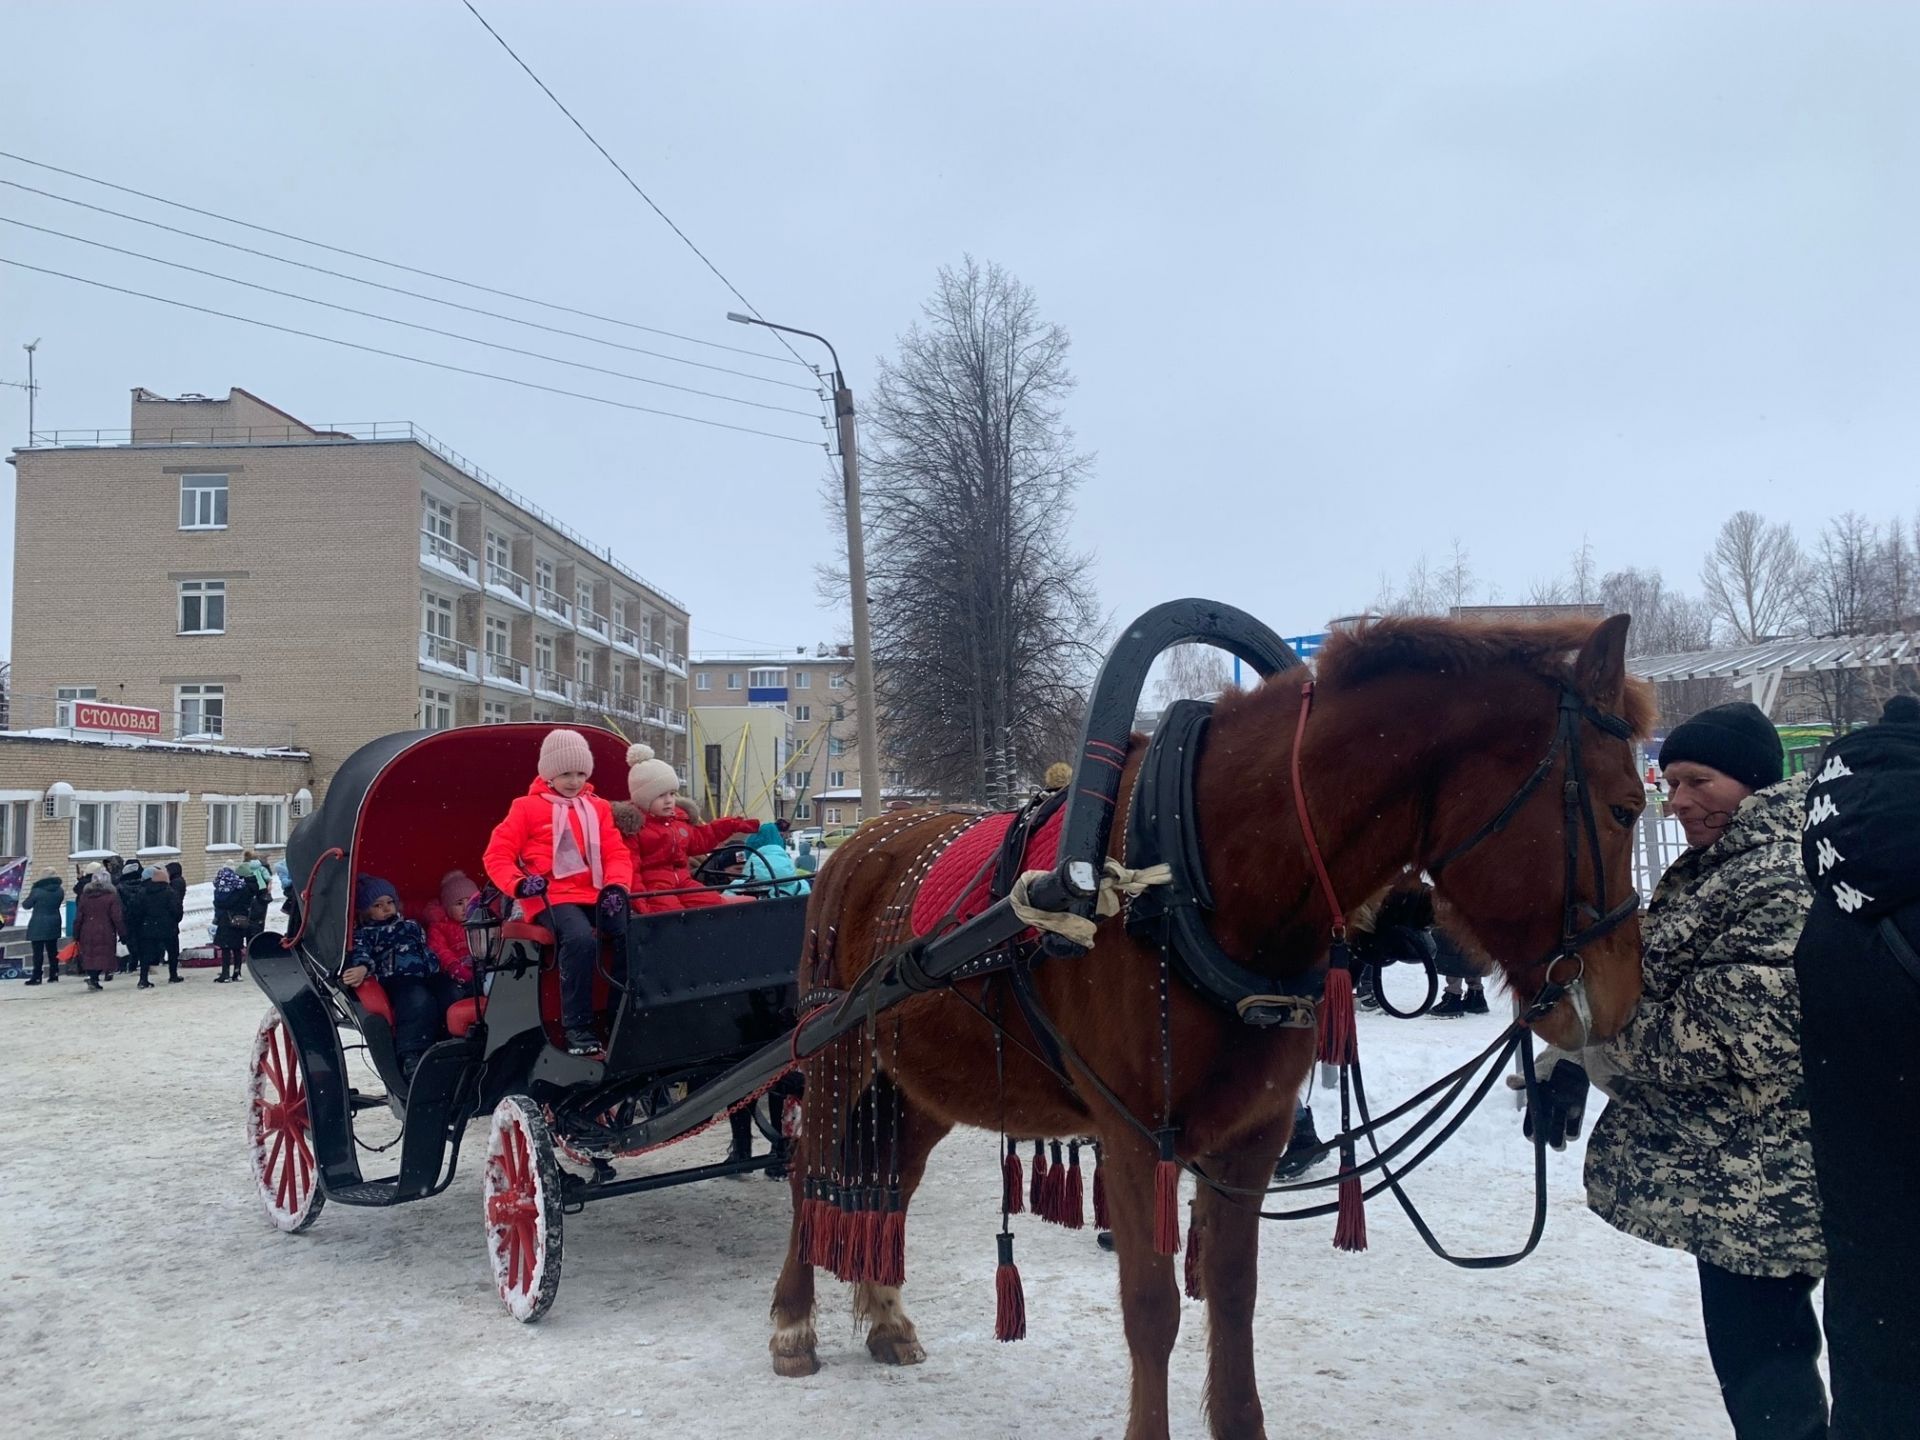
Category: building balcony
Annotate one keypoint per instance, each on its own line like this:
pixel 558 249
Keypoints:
pixel 441 556
pixel 677 721
pixel 625 639
pixel 654 713
pixel 440 656
pixel 509 585
pixel 550 685
pixel 625 704
pixel 677 662
pixel 593 625
pixel 503 672
pixel 551 602
pixel 593 697
pixel 654 653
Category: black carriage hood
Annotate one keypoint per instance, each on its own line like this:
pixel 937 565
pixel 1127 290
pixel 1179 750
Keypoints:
pixel 412 806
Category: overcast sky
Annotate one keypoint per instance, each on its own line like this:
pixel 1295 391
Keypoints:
pixel 1344 281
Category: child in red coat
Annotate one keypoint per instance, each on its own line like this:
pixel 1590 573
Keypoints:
pixel 663 839
pixel 446 922
pixel 558 851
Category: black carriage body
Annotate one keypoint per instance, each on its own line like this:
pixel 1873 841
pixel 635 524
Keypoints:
pixel 704 987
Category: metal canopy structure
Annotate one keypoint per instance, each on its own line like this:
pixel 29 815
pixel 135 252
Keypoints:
pixel 1763 666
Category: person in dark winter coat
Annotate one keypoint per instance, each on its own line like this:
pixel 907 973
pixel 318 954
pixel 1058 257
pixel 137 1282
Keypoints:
pixel 46 901
pixel 1859 966
pixel 98 924
pixel 153 914
pixel 125 881
pixel 1705 1144
pixel 393 950
pixel 177 878
pixel 233 897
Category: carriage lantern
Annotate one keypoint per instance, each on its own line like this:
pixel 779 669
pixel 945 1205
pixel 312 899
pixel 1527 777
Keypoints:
pixel 484 921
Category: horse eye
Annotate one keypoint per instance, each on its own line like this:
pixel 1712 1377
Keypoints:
pixel 1625 814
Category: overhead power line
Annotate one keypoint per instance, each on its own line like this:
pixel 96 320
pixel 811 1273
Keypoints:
pixel 412 325
pixel 732 289
pixel 397 265
pixel 411 294
pixel 410 359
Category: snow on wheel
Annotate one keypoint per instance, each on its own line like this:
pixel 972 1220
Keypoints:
pixel 280 1131
pixel 522 1188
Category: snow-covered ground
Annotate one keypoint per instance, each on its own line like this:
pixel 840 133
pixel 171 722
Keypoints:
pixel 145 1294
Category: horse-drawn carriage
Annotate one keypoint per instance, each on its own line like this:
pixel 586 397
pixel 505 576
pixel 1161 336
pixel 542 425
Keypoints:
pixel 688 995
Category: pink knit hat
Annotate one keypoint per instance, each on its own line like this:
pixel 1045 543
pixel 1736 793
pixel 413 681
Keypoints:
pixel 564 750
pixel 647 778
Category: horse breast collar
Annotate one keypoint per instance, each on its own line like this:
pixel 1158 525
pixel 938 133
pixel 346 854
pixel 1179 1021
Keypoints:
pixel 1160 829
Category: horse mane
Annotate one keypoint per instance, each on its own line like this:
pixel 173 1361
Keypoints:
pixel 1422 644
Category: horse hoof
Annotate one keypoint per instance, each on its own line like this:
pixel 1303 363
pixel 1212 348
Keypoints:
pixel 895 1350
pixel 796 1367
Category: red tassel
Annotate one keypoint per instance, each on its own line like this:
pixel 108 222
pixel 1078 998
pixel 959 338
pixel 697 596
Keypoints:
pixel 1336 1014
pixel 1194 1291
pixel 1012 1184
pixel 1166 1202
pixel 893 1248
pixel 1010 1301
pixel 1039 1178
pixel 1073 1203
pixel 1350 1227
pixel 1053 1194
pixel 833 1236
pixel 1100 1219
pixel 876 1224
pixel 853 1246
pixel 803 1246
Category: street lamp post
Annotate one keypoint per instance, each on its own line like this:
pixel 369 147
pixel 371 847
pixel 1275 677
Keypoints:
pixel 869 741
pixel 32 389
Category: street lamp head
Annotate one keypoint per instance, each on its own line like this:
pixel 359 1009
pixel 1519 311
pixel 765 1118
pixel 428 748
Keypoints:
pixel 739 319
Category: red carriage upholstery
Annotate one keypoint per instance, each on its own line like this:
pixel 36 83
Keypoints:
pixel 371 996
pixel 463 1015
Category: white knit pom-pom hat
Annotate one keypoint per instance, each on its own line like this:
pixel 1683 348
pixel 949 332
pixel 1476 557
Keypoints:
pixel 647 778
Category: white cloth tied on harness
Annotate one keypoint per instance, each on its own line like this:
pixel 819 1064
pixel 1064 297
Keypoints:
pixel 1116 881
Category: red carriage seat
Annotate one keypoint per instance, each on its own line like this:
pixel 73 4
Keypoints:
pixel 371 996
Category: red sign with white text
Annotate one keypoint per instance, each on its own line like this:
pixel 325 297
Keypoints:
pixel 127 719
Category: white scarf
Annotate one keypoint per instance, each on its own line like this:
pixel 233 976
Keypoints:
pixel 567 859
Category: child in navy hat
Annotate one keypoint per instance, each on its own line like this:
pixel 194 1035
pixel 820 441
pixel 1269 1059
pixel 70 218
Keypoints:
pixel 393 950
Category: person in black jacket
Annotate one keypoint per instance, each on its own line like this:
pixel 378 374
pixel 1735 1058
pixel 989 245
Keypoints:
pixel 127 881
pixel 1858 963
pixel 153 914
pixel 233 897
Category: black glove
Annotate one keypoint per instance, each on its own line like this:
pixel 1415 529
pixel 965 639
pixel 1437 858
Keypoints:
pixel 1558 1104
pixel 611 912
pixel 530 886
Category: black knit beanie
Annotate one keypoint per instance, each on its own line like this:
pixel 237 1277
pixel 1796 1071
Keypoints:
pixel 1736 739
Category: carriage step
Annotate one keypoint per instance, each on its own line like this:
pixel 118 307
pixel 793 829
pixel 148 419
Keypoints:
pixel 370 1192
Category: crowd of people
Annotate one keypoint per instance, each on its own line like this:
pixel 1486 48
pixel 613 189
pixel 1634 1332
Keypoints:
pixel 126 916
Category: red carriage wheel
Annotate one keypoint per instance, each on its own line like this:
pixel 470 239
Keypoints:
pixel 280 1131
pixel 522 1188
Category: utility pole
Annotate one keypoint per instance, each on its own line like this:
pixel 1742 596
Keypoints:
pixel 32 389
pixel 869 733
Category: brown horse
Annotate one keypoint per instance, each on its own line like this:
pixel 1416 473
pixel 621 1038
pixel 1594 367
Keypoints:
pixel 1419 733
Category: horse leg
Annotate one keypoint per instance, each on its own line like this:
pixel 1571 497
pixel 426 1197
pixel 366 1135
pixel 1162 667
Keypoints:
pixel 891 1338
pixel 1149 1297
pixel 1227 1230
pixel 793 1337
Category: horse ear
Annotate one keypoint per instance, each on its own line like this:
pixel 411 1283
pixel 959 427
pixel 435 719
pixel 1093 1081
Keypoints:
pixel 1600 672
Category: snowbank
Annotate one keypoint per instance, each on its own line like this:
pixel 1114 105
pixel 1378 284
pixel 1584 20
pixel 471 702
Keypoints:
pixel 148 1295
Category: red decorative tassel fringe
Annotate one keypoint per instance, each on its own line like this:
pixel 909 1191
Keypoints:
pixel 892 1264
pixel 1194 1291
pixel 1073 1203
pixel 1010 1302
pixel 809 1208
pixel 1053 1194
pixel 833 1237
pixel 1012 1184
pixel 876 1240
pixel 853 1249
pixel 1166 1207
pixel 1100 1219
pixel 1350 1228
pixel 1336 1017
pixel 1039 1179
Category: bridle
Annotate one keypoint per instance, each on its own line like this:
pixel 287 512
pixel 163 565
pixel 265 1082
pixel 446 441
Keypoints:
pixel 1576 817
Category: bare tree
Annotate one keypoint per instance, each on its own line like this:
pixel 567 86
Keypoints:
pixel 1583 575
pixel 1664 624
pixel 986 626
pixel 1192 672
pixel 1754 577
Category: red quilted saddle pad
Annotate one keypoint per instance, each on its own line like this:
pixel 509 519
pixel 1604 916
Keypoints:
pixel 968 864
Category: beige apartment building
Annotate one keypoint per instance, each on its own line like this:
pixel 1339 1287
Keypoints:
pixel 266 583
pixel 817 738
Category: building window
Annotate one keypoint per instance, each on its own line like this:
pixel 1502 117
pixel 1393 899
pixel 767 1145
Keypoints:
pixel 766 679
pixel 93 827
pixel 583 667
pixel 269 823
pixel 436 709
pixel 499 553
pixel 802 810
pixel 202 711
pixel 223 824
pixel 499 636
pixel 833 815
pixel 203 502
pixel 15 818
pixel 703 681
pixel 543 652
pixel 836 779
pixel 733 679
pixel 836 746
pixel 583 594
pixel 803 713
pixel 803 679
pixel 837 680
pixel 896 778
pixel 802 779
pixel 160 826
pixel 203 607
pixel 436 518
pixel 493 712
pixel 64 697
pixel 436 615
